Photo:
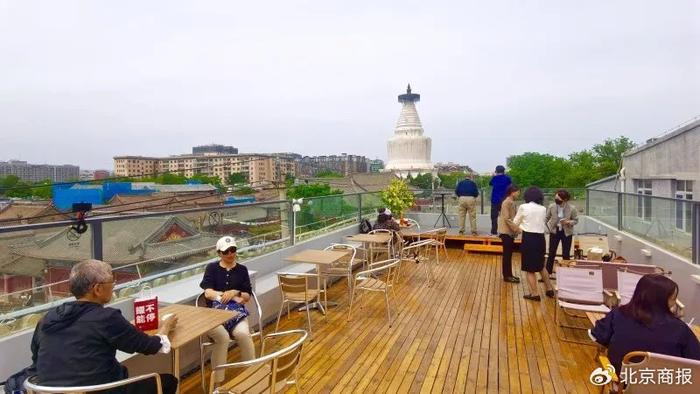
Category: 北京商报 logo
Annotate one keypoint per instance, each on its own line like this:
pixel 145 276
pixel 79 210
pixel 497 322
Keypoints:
pixel 601 377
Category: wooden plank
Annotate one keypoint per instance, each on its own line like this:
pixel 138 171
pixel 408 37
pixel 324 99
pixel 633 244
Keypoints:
pixel 475 334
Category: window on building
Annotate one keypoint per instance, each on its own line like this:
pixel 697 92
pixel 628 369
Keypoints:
pixel 684 210
pixel 644 201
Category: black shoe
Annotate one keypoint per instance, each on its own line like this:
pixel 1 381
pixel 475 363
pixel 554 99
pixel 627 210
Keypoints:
pixel 549 293
pixel 512 279
pixel 532 297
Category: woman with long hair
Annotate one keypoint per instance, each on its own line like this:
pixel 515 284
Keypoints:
pixel 647 323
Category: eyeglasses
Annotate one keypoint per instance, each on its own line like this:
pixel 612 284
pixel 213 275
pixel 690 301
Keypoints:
pixel 111 282
pixel 229 251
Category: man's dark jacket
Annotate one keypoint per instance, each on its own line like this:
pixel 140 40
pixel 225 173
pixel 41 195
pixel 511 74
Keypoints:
pixel 75 344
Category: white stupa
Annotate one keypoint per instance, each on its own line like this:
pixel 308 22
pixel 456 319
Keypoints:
pixel 409 149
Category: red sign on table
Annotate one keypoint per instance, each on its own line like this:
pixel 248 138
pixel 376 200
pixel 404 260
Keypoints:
pixel 146 313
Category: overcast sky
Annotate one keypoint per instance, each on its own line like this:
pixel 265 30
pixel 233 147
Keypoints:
pixel 82 81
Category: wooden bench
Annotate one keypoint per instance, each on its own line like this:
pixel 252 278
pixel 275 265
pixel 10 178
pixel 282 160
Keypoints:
pixel 485 244
pixel 490 244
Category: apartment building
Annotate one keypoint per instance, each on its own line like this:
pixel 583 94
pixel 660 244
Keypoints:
pixel 39 172
pixel 344 164
pixel 260 169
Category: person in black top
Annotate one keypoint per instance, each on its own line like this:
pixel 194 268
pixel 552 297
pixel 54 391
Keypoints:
pixel 647 323
pixel 76 342
pixel 385 221
pixel 225 281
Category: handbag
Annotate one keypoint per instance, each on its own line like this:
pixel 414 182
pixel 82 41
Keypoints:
pixel 146 310
pixel 232 306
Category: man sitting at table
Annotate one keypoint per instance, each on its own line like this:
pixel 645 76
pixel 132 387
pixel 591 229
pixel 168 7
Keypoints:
pixel 226 282
pixel 76 342
pixel 385 221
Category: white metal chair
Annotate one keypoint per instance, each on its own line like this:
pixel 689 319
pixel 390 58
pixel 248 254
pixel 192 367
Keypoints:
pixel 203 345
pixel 270 373
pixel 579 289
pixel 33 388
pixel 419 252
pixel 295 290
pixel 377 248
pixel 372 280
pixel 341 269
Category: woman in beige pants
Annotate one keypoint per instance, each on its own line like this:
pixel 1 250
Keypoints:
pixel 226 281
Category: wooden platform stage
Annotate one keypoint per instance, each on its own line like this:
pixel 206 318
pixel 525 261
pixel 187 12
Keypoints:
pixel 468 333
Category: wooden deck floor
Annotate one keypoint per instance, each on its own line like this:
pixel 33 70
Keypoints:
pixel 468 333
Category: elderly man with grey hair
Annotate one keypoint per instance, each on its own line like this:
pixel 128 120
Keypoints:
pixel 76 342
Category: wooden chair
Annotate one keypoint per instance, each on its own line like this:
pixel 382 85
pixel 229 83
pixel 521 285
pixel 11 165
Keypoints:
pixel 578 289
pixel 653 362
pixel 340 269
pixel 33 388
pixel 201 302
pixel 295 290
pixel 270 373
pixel 366 281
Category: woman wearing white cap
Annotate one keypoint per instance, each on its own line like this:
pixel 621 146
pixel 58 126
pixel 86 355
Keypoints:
pixel 226 285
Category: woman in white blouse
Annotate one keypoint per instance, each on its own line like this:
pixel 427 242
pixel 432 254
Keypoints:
pixel 531 217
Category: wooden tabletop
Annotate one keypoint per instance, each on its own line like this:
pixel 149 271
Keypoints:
pixel 314 256
pixel 595 316
pixel 192 322
pixel 379 238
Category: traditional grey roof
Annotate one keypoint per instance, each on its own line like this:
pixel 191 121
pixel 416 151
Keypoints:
pixel 125 242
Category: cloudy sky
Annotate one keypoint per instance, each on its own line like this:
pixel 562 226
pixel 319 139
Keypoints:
pixel 82 81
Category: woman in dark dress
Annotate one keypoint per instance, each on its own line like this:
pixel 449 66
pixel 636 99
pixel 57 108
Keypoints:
pixel 647 323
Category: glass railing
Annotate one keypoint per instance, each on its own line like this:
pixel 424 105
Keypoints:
pixel 144 250
pixel 665 222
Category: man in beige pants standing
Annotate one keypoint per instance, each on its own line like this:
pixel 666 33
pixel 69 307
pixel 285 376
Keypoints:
pixel 467 192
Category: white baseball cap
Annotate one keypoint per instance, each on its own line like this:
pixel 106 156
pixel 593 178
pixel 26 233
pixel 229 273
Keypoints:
pixel 225 242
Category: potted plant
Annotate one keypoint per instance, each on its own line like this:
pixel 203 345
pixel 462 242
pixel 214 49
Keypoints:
pixel 397 197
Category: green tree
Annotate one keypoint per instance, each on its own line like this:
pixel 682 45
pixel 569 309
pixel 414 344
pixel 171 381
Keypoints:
pixel 397 197
pixel 608 155
pixel 423 181
pixel 450 180
pixel 235 178
pixel 311 190
pixel 289 180
pixel 538 169
pixel 45 192
pixel 581 169
pixel 328 174
pixel 244 191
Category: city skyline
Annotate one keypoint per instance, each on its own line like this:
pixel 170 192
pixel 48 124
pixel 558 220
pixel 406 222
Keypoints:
pixel 90 82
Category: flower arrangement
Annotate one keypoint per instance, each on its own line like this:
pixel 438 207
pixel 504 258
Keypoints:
pixel 397 197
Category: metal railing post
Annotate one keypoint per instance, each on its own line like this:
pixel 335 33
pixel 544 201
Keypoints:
pixel 481 197
pixel 292 222
pixel 96 228
pixel 359 208
pixel 619 211
pixel 695 233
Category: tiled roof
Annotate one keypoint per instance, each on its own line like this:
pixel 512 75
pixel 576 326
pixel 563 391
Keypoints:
pixel 124 242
